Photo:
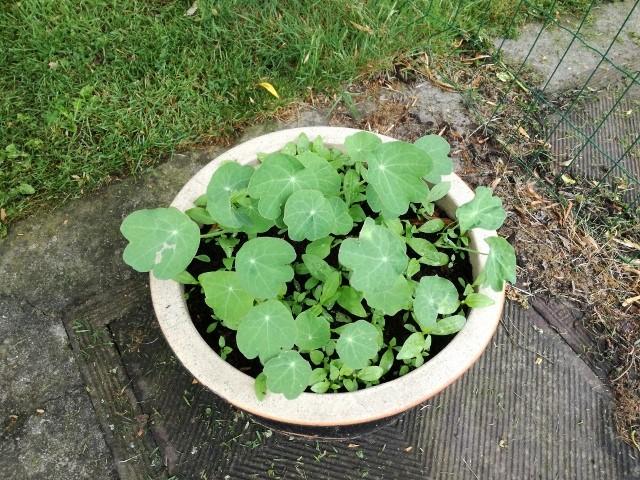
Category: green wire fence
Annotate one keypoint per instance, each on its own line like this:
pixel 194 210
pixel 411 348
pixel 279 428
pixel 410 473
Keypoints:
pixel 592 128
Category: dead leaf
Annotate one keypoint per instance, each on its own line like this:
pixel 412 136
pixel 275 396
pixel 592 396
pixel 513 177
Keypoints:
pixel 627 243
pixel 3 214
pixel 523 132
pixel 269 88
pixel 631 300
pixel 192 9
pixel 503 76
pixel 362 28
pixel 567 179
pixel 473 59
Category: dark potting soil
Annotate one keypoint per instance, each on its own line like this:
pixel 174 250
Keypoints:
pixel 202 315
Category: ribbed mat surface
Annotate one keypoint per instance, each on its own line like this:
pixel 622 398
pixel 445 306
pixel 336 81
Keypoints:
pixel 599 138
pixel 530 408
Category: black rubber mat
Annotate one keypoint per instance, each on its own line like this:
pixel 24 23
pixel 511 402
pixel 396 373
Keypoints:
pixel 598 138
pixel 530 408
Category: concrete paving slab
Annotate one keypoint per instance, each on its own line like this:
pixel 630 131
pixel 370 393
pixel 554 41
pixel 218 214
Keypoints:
pixel 577 59
pixel 49 429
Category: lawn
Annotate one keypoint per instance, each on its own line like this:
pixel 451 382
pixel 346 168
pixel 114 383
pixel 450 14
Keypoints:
pixel 95 90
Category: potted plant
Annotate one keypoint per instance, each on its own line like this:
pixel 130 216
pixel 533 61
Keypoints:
pixel 323 277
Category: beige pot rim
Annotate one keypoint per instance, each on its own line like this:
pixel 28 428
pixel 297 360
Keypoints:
pixel 310 409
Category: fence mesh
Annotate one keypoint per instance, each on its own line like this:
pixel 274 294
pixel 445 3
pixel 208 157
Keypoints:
pixel 581 71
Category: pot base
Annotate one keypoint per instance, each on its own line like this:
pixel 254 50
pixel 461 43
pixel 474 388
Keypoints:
pixel 320 433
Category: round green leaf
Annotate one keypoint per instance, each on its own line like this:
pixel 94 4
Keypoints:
pixel 370 374
pixel 265 330
pixel 318 174
pixel 228 179
pixel 501 263
pixel 272 183
pixel 312 331
pixel 376 258
pixel 395 172
pixel 434 295
pixel 320 248
pixel 252 222
pixel 263 266
pixel 478 300
pixel 309 215
pixel 358 343
pixel 224 294
pixel 448 325
pixel 359 146
pixel 484 211
pixel 161 240
pixel 412 347
pixel 437 149
pixel 288 373
pixel 343 223
pixel 392 300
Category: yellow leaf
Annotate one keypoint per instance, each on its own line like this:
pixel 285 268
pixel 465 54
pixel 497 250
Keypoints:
pixel 523 132
pixel 567 179
pixel 269 88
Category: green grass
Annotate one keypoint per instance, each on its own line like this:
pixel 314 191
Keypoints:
pixel 99 89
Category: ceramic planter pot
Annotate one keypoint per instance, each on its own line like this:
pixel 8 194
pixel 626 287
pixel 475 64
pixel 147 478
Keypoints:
pixel 334 414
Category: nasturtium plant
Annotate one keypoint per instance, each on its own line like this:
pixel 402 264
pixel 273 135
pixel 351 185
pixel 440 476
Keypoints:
pixel 484 211
pixel 161 240
pixel 437 149
pixel 227 180
pixel 327 269
pixel 395 173
pixel 266 329
pixel 227 297
pixel 263 265
pixel 376 258
pixel 358 343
